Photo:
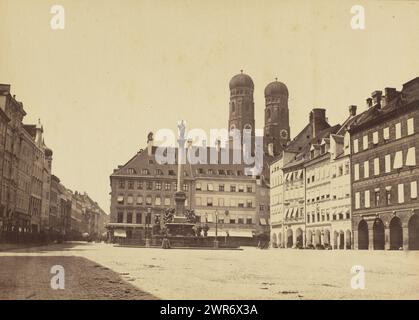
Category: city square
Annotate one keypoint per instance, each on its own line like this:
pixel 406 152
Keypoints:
pixel 250 273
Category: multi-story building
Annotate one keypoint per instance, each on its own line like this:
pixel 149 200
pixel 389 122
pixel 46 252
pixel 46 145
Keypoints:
pixel 385 171
pixel 221 190
pixel 13 222
pixel 56 222
pixel 4 121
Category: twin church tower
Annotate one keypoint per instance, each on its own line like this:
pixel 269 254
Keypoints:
pixel 276 132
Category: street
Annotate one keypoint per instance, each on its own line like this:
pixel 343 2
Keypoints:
pixel 102 271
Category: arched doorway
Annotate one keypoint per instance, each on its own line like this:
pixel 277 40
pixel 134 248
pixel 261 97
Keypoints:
pixel 396 234
pixel 348 239
pixel 341 240
pixel 413 226
pixel 378 234
pixel 274 243
pixel 363 241
pixel 289 238
pixel 299 238
pixel 327 237
pixel 317 238
pixel 309 237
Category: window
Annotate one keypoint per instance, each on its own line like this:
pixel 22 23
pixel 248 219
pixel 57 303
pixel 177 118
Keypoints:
pixel 120 217
pixel 167 186
pixel 398 160
pixel 365 143
pixel 185 187
pixel 129 217
pixel 130 185
pixel 375 137
pixel 221 187
pixel 249 189
pixel 198 187
pixel 145 172
pixel 386 133
pixel 241 188
pixel 139 200
pixel 209 202
pixel 232 220
pixel 149 185
pixel 221 202
pixel 167 201
pixel 376 166
pixel 356 146
pixel 357 200
pixel 232 203
pixel 210 187
pixel 249 204
pixel 398 130
pixel 410 126
pixel 210 171
pixel 367 199
pixel 377 197
pixel 308 218
pixel 138 218
pixel 121 184
pixel 366 169
pixel 240 221
pixel 120 199
pixel 233 188
pixel 172 173
pixel 249 221
pixel 130 199
pixel 356 171
pixel 157 201
pixel 387 161
pixel 400 189
pixel 411 157
pixel 261 207
pixel 388 195
pixel 158 185
pixel 241 204
pixel 148 200
pixel 413 189
pixel 139 185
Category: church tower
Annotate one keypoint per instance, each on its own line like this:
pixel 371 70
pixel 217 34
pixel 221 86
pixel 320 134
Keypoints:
pixel 277 128
pixel 242 107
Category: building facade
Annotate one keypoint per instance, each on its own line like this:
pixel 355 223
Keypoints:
pixel 385 171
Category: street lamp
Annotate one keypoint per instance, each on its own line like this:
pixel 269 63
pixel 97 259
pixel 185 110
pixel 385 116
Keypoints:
pixel 147 222
pixel 216 229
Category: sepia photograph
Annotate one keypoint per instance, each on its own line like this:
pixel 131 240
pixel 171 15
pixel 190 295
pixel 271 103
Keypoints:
pixel 236 150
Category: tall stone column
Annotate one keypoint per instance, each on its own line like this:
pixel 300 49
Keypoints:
pixel 180 195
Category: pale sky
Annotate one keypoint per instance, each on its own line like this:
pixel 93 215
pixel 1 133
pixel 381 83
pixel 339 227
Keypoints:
pixel 120 69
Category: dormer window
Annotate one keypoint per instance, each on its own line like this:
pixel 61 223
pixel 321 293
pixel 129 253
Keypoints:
pixel 131 171
pixel 145 172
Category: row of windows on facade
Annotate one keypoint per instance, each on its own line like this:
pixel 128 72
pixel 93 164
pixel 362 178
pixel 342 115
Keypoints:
pixel 398 157
pixel 221 187
pixel 389 195
pixel 151 185
pixel 145 218
pixel 167 186
pixel 198 171
pixel 148 200
pixel 322 173
pixel 209 202
pixel 313 175
pixel 385 135
pixel 322 217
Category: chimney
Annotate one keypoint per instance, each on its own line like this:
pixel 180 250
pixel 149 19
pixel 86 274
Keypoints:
pixel 369 102
pixel 376 98
pixel 318 120
pixel 352 111
pixel 390 94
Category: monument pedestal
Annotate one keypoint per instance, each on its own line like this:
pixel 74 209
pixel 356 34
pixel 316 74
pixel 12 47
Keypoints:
pixel 180 198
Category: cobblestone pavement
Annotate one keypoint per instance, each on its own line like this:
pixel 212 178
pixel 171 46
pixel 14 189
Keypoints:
pixel 207 274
